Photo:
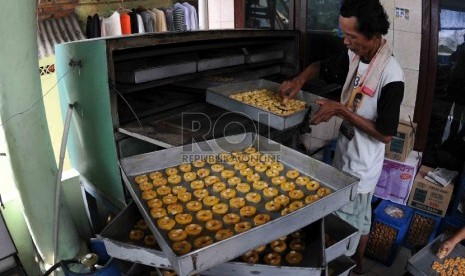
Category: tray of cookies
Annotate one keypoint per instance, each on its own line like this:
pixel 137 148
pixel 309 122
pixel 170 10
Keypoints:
pixel 128 237
pixel 425 262
pixel 259 100
pixel 299 253
pixel 212 201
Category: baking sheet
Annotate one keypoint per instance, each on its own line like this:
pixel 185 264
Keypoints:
pixel 260 55
pixel 420 263
pixel 340 266
pixel 220 62
pixel 219 96
pixel 118 245
pixel 341 235
pixel 312 263
pixel 141 75
pixel 344 188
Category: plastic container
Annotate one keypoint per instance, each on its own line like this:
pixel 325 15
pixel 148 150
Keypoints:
pixel 422 229
pixel 393 214
pixel 328 152
pixel 388 230
pixel 375 201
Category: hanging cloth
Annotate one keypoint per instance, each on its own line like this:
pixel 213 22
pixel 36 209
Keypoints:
pixel 140 24
pixel 154 20
pixel 125 21
pixel 161 21
pixel 147 21
pixel 96 31
pixel 111 26
pixel 179 20
pixel 186 15
pixel 89 27
pixel 134 25
pixel 193 19
pixel 169 19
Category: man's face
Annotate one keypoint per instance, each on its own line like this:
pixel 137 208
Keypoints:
pixel 354 40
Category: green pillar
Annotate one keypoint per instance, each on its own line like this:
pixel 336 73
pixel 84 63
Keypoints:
pixel 27 136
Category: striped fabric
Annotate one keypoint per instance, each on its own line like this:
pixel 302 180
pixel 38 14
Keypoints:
pixel 179 21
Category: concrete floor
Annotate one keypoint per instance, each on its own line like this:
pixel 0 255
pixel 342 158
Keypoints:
pixel 398 268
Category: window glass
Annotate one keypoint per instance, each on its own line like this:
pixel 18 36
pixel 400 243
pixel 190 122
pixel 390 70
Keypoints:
pixel 446 142
pixel 323 16
pixel 267 14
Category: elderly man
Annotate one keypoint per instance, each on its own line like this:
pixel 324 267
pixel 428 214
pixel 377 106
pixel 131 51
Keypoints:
pixel 369 106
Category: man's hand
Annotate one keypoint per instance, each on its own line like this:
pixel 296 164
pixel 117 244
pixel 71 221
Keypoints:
pixel 445 249
pixel 327 110
pixel 288 89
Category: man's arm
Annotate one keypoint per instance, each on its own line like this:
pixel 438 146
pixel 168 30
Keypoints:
pixel 329 108
pixel 450 244
pixel 385 126
pixel 332 70
pixel 288 89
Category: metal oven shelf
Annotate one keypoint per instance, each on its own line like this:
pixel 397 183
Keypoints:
pixel 344 188
pixel 116 239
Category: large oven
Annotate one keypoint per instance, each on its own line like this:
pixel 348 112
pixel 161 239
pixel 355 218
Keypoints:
pixel 129 93
pixel 143 96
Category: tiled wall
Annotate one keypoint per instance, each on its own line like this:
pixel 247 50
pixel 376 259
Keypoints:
pixel 404 36
pixel 221 14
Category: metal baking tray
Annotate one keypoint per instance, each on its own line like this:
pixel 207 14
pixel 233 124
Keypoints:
pixel 141 75
pixel 220 62
pixel 340 266
pixel 269 71
pixel 116 239
pixel 219 96
pixel 117 244
pixel 341 233
pixel 421 262
pixel 313 261
pixel 262 56
pixel 344 188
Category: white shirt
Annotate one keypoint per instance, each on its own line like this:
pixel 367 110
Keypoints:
pixel 363 155
pixel 111 26
pixel 193 19
pixel 140 24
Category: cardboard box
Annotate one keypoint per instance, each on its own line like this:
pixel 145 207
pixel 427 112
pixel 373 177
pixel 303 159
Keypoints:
pixel 428 196
pixel 401 144
pixel 396 178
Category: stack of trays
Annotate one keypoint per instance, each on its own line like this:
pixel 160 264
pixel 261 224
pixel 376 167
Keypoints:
pixel 341 184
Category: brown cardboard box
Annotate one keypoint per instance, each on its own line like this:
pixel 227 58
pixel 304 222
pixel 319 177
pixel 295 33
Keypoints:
pixel 401 144
pixel 430 197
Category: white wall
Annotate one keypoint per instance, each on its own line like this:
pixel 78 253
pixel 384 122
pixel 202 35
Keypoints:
pixel 405 38
pixel 221 14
